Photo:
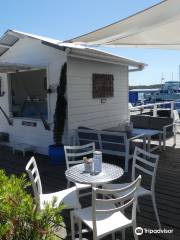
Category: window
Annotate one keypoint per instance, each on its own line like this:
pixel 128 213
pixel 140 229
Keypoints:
pixel 29 94
pixel 103 85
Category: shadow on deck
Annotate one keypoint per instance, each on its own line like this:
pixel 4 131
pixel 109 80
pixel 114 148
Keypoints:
pixel 167 189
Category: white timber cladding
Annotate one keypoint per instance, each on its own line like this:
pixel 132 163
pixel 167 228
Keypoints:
pixel 31 51
pixel 83 110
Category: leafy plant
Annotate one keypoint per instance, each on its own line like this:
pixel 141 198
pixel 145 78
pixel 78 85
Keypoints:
pixel 61 104
pixel 20 218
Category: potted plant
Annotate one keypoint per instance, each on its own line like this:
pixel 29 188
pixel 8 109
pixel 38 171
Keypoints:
pixel 56 151
pixel 20 217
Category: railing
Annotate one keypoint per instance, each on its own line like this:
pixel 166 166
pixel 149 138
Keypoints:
pixel 154 107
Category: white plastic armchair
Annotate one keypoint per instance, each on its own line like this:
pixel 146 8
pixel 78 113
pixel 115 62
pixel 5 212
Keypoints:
pixel 145 163
pixel 74 155
pixel 68 196
pixel 106 216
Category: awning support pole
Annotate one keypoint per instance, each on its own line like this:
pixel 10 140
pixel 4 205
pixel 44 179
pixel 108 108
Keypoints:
pixel 10 121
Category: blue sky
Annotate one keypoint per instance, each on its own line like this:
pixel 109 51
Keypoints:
pixel 63 20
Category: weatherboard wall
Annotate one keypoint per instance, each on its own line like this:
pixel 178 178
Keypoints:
pixel 83 110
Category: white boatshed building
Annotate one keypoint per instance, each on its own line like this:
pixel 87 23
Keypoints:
pixel 30 66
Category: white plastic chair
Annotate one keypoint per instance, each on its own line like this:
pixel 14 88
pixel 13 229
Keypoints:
pixel 68 196
pixel 176 117
pixel 145 163
pixel 106 216
pixel 71 155
pixel 176 120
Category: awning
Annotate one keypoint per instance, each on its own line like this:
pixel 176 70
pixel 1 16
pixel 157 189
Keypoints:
pixel 14 67
pixel 155 27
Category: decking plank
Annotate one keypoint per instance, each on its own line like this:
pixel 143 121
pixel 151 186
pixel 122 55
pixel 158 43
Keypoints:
pixel 167 188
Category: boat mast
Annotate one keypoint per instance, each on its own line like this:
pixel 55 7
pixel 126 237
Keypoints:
pixel 162 79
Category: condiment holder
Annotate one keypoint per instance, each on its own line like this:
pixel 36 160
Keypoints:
pixel 97 162
pixel 87 164
pixel 93 165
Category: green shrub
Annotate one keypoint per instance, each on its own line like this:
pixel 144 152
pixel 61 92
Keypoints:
pixel 20 218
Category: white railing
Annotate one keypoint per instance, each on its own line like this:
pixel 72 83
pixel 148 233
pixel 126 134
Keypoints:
pixel 153 106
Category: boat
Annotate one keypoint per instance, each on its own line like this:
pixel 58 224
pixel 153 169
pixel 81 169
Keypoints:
pixel 139 96
pixel 169 91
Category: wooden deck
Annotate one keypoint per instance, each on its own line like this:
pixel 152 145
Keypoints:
pixel 167 189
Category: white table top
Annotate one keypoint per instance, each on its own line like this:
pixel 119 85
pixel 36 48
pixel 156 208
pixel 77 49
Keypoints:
pixel 136 131
pixel 109 173
pixel 146 132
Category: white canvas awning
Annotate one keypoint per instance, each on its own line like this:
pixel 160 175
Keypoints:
pixel 155 27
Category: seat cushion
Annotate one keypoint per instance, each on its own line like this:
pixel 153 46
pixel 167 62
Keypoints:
pixel 81 186
pixel 140 121
pixel 106 223
pixel 68 197
pixel 158 123
pixel 86 137
pixel 164 113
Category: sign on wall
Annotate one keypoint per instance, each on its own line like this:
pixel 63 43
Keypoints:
pixel 103 85
pixel 29 124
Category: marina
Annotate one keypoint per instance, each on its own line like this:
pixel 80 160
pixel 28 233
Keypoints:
pixel 90 139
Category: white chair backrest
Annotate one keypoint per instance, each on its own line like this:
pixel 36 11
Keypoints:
pixel 32 170
pixel 109 142
pixel 74 152
pixel 114 203
pixel 145 163
pixel 113 140
pixel 175 115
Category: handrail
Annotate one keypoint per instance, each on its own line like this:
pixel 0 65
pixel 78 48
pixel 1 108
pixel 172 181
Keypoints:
pixel 154 105
pixel 150 105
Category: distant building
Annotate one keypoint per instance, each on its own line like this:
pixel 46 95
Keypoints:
pixel 141 95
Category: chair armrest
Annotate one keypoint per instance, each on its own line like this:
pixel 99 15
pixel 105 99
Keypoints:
pixel 170 125
pixel 167 126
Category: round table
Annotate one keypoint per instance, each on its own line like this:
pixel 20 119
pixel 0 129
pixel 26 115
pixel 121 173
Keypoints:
pixel 109 173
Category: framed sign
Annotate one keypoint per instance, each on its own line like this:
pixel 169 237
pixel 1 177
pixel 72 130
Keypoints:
pixel 103 85
pixel 29 124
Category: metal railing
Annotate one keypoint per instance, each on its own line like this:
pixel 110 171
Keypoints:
pixel 154 107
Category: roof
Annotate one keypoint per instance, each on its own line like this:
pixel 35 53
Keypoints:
pixel 154 27
pixel 6 67
pixel 10 37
